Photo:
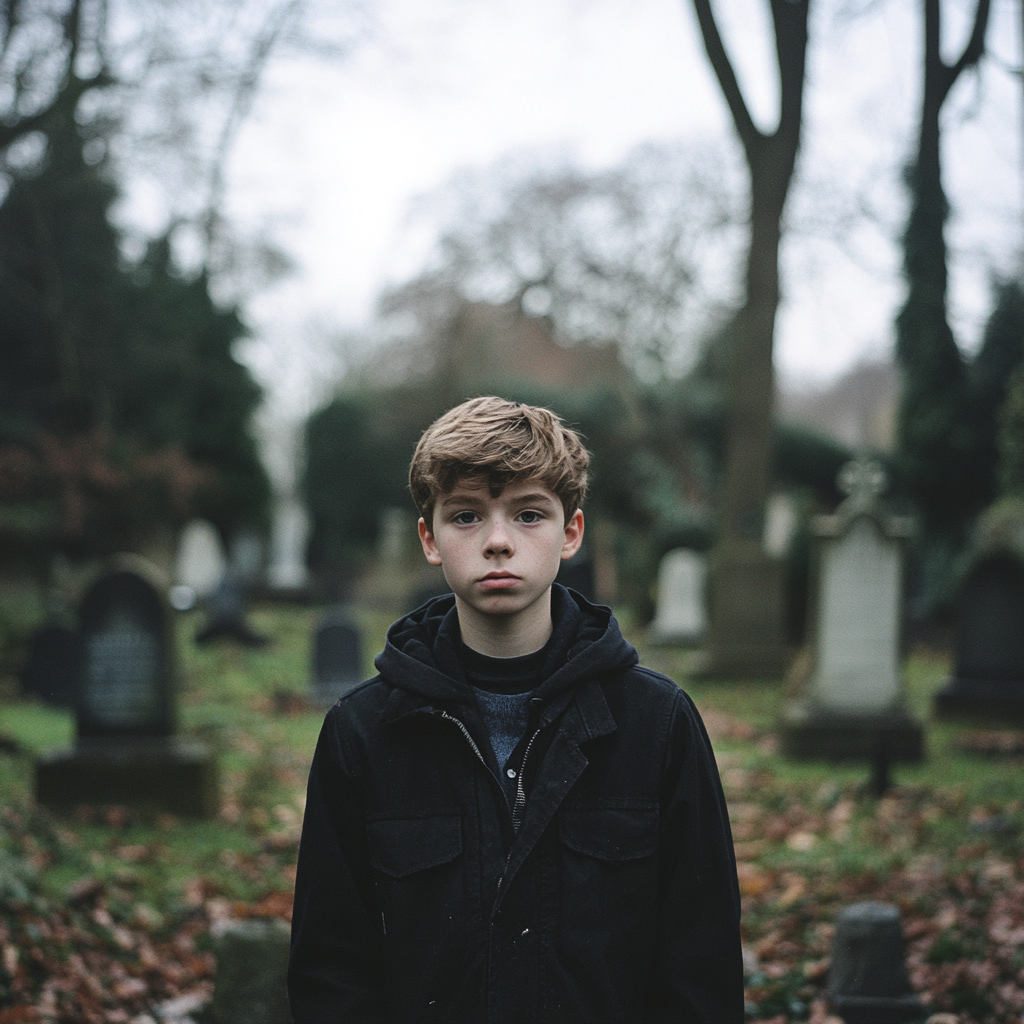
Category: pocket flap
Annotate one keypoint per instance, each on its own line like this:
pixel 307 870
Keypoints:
pixel 611 833
pixel 403 846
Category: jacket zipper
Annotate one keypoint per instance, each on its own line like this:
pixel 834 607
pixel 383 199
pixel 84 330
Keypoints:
pixel 469 738
pixel 519 803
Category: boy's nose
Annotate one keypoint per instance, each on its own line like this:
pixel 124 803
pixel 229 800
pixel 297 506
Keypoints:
pixel 499 540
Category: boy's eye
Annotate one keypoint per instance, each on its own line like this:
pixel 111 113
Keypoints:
pixel 530 516
pixel 465 518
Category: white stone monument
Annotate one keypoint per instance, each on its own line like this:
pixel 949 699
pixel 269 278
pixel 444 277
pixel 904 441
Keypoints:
pixel 287 569
pixel 851 696
pixel 780 523
pixel 681 616
pixel 200 562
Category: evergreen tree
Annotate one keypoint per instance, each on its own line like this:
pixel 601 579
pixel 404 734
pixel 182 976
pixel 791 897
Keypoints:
pixel 1002 350
pixel 123 409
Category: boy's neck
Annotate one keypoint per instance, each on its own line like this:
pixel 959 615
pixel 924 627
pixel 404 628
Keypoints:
pixel 506 636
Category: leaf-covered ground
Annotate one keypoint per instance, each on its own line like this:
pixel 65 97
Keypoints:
pixel 106 915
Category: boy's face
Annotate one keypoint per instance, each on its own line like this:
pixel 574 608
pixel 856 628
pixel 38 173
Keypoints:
pixel 500 555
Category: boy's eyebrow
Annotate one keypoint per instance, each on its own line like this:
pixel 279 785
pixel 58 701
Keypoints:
pixel 481 498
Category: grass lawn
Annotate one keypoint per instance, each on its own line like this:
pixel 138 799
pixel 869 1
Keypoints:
pixel 105 913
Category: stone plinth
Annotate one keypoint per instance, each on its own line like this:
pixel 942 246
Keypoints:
pixel 159 774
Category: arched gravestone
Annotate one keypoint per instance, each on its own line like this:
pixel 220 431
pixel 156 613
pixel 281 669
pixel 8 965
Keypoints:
pixel 128 671
pixel 681 617
pixel 127 752
pixel 988 677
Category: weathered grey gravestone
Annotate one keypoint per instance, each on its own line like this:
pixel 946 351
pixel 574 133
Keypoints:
pixel 851 704
pixel 867 979
pixel 54 667
pixel 127 751
pixel 680 616
pixel 337 658
pixel 250 986
pixel 988 677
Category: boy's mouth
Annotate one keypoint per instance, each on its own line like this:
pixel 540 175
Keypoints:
pixel 498 580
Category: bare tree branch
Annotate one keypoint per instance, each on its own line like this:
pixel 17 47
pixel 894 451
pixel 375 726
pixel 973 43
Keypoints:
pixel 722 66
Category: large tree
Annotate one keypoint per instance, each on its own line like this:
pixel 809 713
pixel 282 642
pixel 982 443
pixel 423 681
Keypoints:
pixel 936 442
pixel 771 159
pixel 746 633
pixel 122 408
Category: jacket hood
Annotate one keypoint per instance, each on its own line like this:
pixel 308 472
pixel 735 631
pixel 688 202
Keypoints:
pixel 422 653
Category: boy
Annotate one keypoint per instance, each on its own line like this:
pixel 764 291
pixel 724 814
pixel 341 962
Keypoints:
pixel 513 821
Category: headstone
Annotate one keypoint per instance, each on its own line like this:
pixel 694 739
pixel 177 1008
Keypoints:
pixel 394 534
pixel 680 616
pixel 867 980
pixel 780 522
pixel 746 633
pixel 852 704
pixel 54 667
pixel 200 563
pixel 337 658
pixel 246 557
pixel 577 573
pixel 225 615
pixel 988 675
pixel 287 569
pixel 251 983
pixel 127 751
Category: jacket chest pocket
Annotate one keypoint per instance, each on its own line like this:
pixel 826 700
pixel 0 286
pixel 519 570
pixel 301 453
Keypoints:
pixel 419 873
pixel 402 847
pixel 608 868
pixel 610 834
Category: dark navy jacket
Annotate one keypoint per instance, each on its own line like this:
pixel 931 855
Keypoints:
pixel 607 892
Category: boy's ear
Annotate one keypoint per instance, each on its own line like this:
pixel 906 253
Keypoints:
pixel 573 534
pixel 430 548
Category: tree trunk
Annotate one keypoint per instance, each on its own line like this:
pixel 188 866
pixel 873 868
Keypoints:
pixel 746 634
pixel 770 160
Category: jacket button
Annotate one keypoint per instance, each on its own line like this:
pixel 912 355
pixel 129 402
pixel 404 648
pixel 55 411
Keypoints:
pixel 511 773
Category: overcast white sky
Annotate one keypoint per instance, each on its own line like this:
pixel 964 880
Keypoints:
pixel 333 153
